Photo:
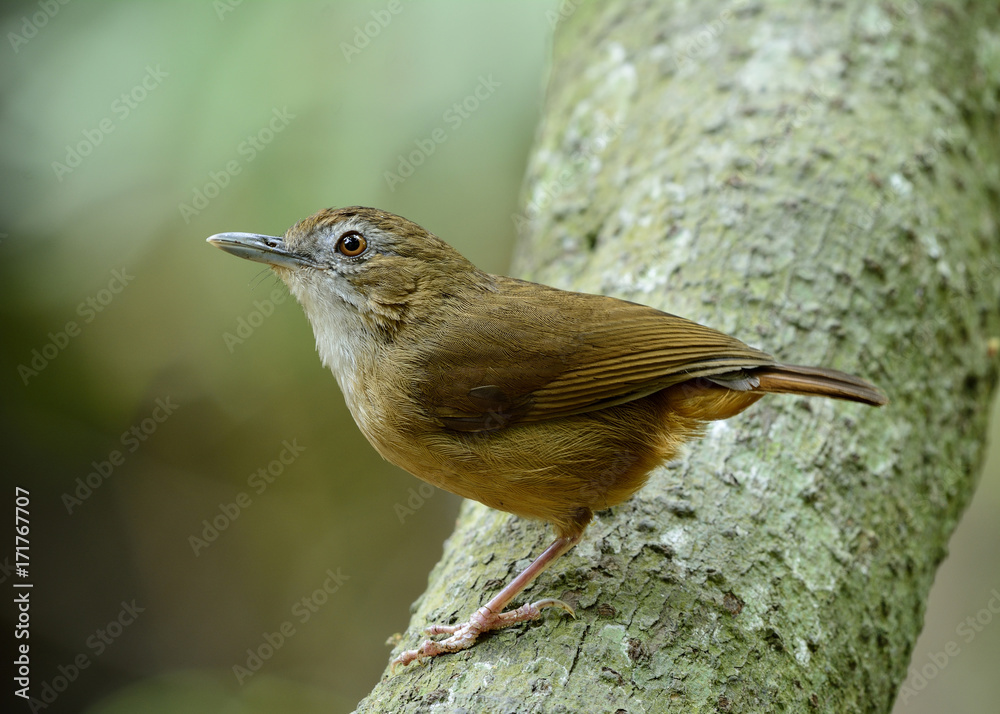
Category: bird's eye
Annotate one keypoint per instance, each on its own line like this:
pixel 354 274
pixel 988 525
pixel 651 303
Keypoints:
pixel 352 244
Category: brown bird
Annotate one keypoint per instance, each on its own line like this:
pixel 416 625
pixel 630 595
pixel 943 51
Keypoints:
pixel 541 402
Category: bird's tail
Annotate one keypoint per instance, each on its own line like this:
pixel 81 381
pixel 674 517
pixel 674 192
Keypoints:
pixel 817 381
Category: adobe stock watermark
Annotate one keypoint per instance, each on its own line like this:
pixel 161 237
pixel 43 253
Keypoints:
pixel 789 121
pixel 967 630
pixel 562 12
pixel 415 500
pixel 246 326
pixel 695 44
pixel 30 26
pixel 545 192
pixel 894 13
pixel 121 109
pixel 363 35
pixel 88 310
pixel 936 322
pixel 302 611
pixel 259 481
pixel 453 118
pixel 131 439
pixel 96 645
pixel 224 7
pixel 246 151
pixel 941 140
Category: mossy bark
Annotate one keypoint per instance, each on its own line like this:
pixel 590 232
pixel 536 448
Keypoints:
pixel 821 180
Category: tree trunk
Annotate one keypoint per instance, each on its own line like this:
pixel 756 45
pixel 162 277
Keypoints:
pixel 820 180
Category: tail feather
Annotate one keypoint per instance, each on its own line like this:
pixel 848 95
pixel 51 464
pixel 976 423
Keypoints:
pixel 817 381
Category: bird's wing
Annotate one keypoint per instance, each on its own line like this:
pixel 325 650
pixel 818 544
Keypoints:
pixel 541 353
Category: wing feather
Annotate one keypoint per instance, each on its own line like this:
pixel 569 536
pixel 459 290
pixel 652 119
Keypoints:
pixel 540 353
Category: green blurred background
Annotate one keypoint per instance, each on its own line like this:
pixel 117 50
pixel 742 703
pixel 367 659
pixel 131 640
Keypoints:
pixel 270 112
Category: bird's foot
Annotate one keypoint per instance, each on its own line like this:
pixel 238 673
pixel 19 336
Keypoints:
pixel 465 635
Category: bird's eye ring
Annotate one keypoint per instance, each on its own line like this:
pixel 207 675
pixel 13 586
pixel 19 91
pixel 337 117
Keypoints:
pixel 352 244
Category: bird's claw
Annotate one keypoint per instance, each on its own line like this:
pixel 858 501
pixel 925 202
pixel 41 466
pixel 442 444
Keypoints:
pixel 464 635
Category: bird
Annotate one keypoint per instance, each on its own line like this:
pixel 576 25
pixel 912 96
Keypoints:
pixel 544 403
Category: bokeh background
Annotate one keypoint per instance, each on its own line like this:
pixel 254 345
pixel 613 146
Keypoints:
pixel 128 133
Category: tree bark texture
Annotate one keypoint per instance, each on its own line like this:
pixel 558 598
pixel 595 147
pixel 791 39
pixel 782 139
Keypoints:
pixel 820 180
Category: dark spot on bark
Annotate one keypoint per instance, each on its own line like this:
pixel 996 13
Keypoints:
pixel 606 611
pixel 873 266
pixel 661 549
pixel 637 650
pixel 438 695
pixel 610 675
pixel 541 685
pixel 684 509
pixel 773 639
pixel 810 495
pixel 732 603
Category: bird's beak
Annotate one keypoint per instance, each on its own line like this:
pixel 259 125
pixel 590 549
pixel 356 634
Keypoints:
pixel 262 249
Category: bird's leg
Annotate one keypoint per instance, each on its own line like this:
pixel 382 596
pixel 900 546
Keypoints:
pixel 491 615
